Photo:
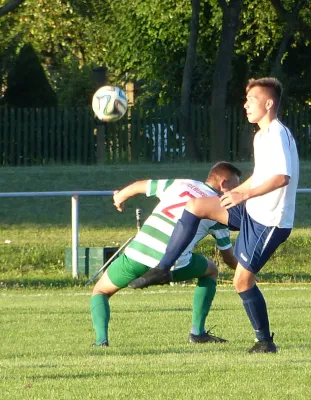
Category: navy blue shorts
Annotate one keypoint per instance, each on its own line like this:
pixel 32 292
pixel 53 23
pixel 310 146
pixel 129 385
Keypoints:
pixel 255 243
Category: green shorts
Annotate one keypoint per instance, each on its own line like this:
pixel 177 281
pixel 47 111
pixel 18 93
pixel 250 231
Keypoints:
pixel 123 270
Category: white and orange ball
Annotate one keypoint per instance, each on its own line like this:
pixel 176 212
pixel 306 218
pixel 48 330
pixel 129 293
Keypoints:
pixel 109 103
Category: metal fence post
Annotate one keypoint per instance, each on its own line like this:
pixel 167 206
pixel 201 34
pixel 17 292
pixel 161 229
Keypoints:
pixel 75 235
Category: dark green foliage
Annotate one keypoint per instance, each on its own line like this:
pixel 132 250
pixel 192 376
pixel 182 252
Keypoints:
pixel 147 43
pixel 75 85
pixel 27 82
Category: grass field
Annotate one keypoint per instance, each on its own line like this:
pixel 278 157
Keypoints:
pixel 46 354
pixel 46 332
pixel 39 230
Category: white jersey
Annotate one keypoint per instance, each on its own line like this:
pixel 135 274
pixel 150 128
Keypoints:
pixel 275 153
pixel 151 241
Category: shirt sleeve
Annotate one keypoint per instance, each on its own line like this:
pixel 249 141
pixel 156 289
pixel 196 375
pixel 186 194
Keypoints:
pixel 280 158
pixel 158 187
pixel 221 234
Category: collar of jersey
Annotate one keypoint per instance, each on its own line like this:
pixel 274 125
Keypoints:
pixel 213 189
pixel 262 133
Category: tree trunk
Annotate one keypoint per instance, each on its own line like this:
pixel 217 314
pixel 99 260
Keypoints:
pixel 192 148
pixel 276 68
pixel 230 22
pixel 294 23
pixel 292 19
pixel 246 137
pixel 10 6
pixel 100 148
pixel 99 79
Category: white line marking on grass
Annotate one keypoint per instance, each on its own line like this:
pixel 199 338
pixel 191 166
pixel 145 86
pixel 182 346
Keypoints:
pixel 151 292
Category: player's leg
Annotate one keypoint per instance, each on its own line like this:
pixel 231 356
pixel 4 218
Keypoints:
pixel 100 308
pixel 117 276
pixel 186 227
pixel 254 305
pixel 254 246
pixel 184 232
pixel 208 207
pixel 207 272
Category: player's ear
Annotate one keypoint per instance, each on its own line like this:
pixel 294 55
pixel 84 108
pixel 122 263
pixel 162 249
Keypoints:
pixel 269 104
pixel 223 185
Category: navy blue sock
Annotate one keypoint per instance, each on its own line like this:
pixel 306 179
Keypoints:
pixel 256 309
pixel 182 235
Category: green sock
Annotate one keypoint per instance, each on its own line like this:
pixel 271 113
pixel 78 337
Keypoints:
pixel 204 294
pixel 100 312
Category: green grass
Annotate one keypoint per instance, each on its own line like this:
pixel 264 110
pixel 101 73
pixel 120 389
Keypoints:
pixel 46 335
pixel 39 229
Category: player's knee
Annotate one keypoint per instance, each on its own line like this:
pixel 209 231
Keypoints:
pixel 191 206
pixel 98 289
pixel 212 270
pixel 243 280
pixel 239 282
pixel 104 286
pixel 104 291
pixel 196 206
pixel 236 282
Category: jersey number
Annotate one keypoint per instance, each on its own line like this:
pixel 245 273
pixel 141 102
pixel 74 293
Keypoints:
pixel 166 210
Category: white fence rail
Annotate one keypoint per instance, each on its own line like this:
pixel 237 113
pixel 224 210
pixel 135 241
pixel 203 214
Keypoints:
pixel 75 213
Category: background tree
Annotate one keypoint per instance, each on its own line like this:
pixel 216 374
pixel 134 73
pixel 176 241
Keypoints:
pixel 295 48
pixel 193 152
pixel 9 6
pixel 147 42
pixel 231 15
pixel 27 83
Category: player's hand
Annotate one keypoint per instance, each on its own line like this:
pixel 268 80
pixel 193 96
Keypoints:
pixel 231 199
pixel 118 200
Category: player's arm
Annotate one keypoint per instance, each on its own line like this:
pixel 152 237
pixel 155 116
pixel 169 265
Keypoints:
pixel 280 169
pixel 228 258
pixel 233 198
pixel 221 234
pixel 120 196
pixel 211 207
pixel 273 183
pixel 245 186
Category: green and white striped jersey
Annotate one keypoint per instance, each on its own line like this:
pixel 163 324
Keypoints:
pixel 151 241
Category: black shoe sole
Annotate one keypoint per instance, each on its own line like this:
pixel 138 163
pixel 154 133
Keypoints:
pixel 272 349
pixel 202 341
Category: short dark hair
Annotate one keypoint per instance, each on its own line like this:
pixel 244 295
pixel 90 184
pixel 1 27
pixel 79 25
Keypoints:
pixel 223 167
pixel 272 84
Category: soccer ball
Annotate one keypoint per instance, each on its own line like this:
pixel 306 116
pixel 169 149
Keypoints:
pixel 109 103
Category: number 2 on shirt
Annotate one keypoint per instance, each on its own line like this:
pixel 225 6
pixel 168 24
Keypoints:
pixel 166 210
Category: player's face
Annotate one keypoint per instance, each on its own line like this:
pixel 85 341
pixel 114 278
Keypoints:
pixel 257 104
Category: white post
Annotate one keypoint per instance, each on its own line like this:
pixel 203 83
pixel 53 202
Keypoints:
pixel 75 235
